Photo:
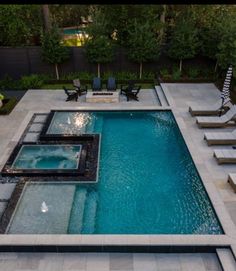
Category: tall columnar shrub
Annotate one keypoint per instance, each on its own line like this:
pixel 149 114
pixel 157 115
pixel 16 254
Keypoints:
pixel 142 45
pixel 53 51
pixel 99 49
pixel 227 46
pixel 184 41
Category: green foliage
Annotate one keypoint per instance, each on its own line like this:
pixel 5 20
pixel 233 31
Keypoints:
pixel 1 96
pixel 142 43
pixel 227 46
pixel 80 75
pixel 148 75
pixel 8 83
pixel 126 75
pixel 193 72
pixel 99 49
pixel 32 81
pixel 68 15
pixel 8 105
pixel 176 74
pixel 184 41
pixel 20 24
pixel 165 72
pixel 53 51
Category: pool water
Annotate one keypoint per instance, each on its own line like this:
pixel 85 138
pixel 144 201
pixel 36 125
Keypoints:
pixel 71 31
pixel 47 157
pixel 148 183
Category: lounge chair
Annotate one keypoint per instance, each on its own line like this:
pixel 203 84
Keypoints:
pixel 71 94
pixel 81 90
pixel 111 84
pixel 228 119
pixel 220 138
pixel 198 110
pixel 225 156
pixel 131 91
pixel 96 84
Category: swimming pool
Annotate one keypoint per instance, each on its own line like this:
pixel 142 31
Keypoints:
pixel 148 183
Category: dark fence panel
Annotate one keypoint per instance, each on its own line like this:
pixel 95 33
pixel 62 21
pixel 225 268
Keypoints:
pixel 18 61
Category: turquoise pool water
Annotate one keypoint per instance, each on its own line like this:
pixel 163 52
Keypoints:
pixel 48 157
pixel 71 31
pixel 147 183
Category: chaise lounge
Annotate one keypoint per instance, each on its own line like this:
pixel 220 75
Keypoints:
pixel 228 119
pixel 198 110
pixel 220 138
pixel 225 156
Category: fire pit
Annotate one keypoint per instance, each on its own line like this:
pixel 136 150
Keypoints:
pixel 103 97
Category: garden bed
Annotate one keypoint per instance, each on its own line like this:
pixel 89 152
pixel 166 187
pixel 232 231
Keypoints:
pixel 8 105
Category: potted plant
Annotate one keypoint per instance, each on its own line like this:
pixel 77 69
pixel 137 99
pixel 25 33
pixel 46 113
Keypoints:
pixel 1 98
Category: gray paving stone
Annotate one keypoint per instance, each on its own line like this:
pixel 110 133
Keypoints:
pixel 121 261
pixel 40 118
pixel 36 127
pixel 6 190
pixel 31 137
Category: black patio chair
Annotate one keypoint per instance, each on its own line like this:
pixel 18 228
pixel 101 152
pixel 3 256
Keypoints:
pixel 131 90
pixel 80 89
pixel 71 94
pixel 96 84
pixel 111 84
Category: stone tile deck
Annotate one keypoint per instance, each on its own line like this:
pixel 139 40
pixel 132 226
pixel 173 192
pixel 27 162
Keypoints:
pixel 178 95
pixel 108 262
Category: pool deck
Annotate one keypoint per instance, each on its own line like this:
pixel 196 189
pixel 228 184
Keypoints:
pixel 214 176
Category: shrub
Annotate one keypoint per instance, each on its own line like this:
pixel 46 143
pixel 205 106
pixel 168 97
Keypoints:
pixel 32 81
pixel 80 75
pixel 8 105
pixel 193 72
pixel 165 73
pixel 148 75
pixel 8 83
pixel 125 75
pixel 176 74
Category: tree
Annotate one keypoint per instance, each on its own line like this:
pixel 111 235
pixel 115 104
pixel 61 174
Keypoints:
pixel 184 41
pixel 99 49
pixel 227 46
pixel 53 51
pixel 99 46
pixel 20 24
pixel 143 45
pixel 47 19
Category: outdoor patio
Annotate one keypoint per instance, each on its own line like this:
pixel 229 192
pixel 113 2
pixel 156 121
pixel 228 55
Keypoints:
pixel 179 96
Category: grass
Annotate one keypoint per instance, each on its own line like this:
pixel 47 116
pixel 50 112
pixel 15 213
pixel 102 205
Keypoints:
pixel 70 86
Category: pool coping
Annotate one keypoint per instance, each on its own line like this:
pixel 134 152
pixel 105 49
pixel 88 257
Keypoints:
pixel 79 242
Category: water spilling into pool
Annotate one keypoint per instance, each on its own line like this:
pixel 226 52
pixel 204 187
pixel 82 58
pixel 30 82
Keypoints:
pixel 147 184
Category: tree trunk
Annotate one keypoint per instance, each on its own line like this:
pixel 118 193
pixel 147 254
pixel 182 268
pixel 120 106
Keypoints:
pixel 46 18
pixel 163 20
pixel 99 70
pixel 180 65
pixel 216 66
pixel 57 73
pixel 140 70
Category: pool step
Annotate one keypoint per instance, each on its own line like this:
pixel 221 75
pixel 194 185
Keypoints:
pixel 161 96
pixel 77 211
pixel 226 259
pixel 90 211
